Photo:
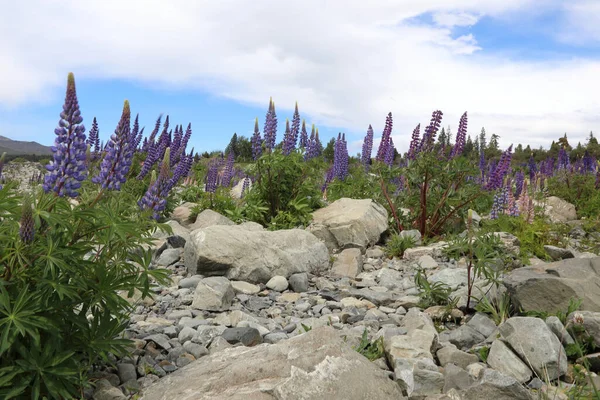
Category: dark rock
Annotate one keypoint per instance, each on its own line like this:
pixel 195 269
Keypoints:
pixel 247 336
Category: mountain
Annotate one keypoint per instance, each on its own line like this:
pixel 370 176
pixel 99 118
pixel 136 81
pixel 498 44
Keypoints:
pixel 17 147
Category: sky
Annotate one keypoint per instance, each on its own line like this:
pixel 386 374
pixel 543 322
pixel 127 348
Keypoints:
pixel 526 70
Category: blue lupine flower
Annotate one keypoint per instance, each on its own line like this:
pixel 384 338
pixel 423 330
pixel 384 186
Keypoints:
pixel 367 148
pixel 385 139
pixel 256 142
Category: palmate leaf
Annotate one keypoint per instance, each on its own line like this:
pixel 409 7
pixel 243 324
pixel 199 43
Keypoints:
pixel 20 317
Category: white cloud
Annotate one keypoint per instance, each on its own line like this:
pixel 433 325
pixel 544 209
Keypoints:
pixel 347 63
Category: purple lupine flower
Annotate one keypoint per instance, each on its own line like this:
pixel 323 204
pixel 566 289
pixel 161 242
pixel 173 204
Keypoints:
pixel 497 206
pixel 186 139
pixel 532 167
pixel 563 159
pixel 155 198
pixel 93 139
pixel 150 141
pixel 482 165
pixel 589 163
pixel 318 144
pixel 511 208
pixel 135 131
pixel 68 169
pixel 428 140
pixel 176 142
pixel 391 152
pixel 295 127
pixel 519 179
pixel 461 136
pixel 414 143
pixel 118 156
pixel 311 146
pixel 228 172
pixel 497 177
pixel 27 228
pixel 270 130
pixel 329 175
pixel 303 136
pixel 340 158
pixel 182 169
pixel 367 148
pixel 245 186
pixel 256 142
pixel 385 139
pixel 212 175
pixel 288 143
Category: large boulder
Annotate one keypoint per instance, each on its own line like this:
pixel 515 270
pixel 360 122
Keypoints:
pixel 210 218
pixel 558 210
pixel 182 213
pixel 253 256
pixel 349 223
pixel 314 365
pixel 549 287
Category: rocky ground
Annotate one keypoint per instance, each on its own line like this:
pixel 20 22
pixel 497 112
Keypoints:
pixel 253 314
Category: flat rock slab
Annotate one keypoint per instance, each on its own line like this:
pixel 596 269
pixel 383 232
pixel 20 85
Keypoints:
pixel 313 366
pixel 253 256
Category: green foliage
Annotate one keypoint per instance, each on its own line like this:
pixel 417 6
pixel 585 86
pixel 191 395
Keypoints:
pixel 397 245
pixel 499 308
pixel 438 194
pixel 61 311
pixel 306 328
pixel 483 353
pixel 287 186
pixel 431 294
pixel 372 350
pixel 580 190
pixel 357 185
pixel 220 201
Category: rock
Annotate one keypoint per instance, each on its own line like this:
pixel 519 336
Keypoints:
pixel 213 294
pixel 236 191
pixel 299 282
pixel 464 337
pixel 348 263
pixel 559 330
pixel 558 253
pixel 415 344
pixel 127 372
pixel 190 282
pixel 451 355
pixel 558 210
pixel 414 234
pixel 589 321
pixel 160 339
pixel 349 223
pixel 483 324
pixel 105 391
pixel 277 283
pixel 550 287
pixel 251 226
pixel 182 213
pixel 503 359
pixel 454 277
pixel 375 252
pixel 245 287
pixel 254 256
pixel 315 365
pixel 210 218
pixel 168 257
pixel 246 336
pixel 427 262
pixel 456 378
pixel 178 231
pixel 497 386
pixel 186 334
pixel 418 377
pixel 434 250
pixel 534 342
pixel 197 350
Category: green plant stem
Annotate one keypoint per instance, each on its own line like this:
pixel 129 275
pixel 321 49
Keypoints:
pixel 392 208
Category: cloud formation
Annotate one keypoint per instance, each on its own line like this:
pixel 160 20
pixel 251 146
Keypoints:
pixel 347 62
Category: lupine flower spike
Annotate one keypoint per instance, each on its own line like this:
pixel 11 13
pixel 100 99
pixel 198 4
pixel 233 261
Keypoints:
pixel 367 148
pixel 67 169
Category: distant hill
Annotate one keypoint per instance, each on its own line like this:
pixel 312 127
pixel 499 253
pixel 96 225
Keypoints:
pixel 18 147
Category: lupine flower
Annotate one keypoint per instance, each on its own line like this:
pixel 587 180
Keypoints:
pixel 288 141
pixel 318 144
pixel 175 145
pixel 136 135
pixel 340 158
pixel 391 152
pixel 311 147
pixel 118 156
pixel 461 136
pixel 532 167
pixel 26 230
pixel 414 143
pixel 228 173
pixel 329 175
pixel 67 168
pixel 563 159
pixel 270 130
pixel 589 163
pixel 511 208
pixel 303 136
pixel 212 176
pixel 295 127
pixel 150 141
pixel 186 139
pixel 256 141
pixel 495 181
pixel 497 205
pixel 519 179
pixel 93 139
pixel 245 186
pixel 155 198
pixel 367 148
pixel 426 144
pixel 385 139
pixel 526 204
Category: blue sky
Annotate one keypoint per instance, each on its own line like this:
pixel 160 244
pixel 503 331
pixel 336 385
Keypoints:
pixel 525 69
